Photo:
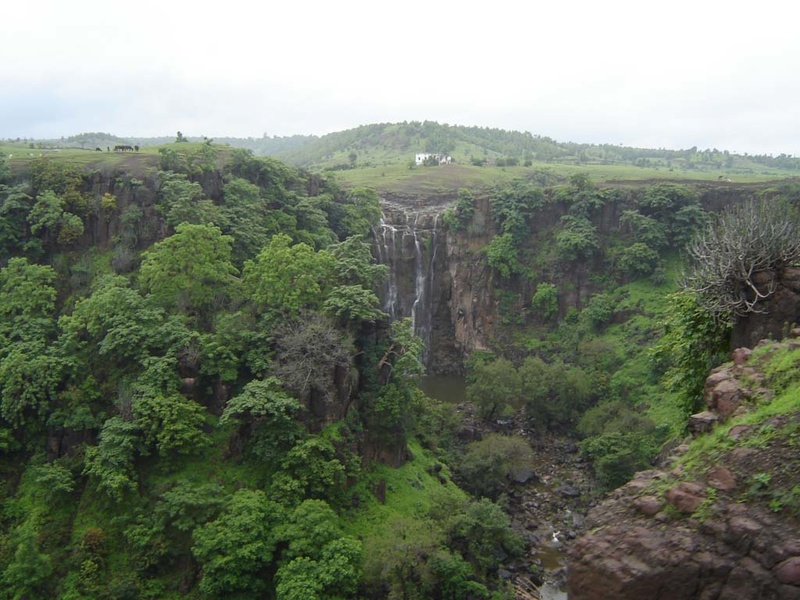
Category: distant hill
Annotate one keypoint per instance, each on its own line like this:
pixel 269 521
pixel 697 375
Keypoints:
pixel 395 144
pixel 385 144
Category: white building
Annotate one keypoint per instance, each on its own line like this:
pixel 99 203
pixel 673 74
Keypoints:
pixel 443 159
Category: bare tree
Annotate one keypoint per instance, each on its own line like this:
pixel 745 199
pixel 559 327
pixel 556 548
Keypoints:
pixel 735 263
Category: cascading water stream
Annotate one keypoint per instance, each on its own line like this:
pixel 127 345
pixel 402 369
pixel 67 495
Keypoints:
pixel 410 256
pixel 387 255
pixel 419 279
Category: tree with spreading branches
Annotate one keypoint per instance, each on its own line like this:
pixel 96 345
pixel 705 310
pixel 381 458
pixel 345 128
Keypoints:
pixel 734 264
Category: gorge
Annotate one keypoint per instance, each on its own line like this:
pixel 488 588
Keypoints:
pixel 206 331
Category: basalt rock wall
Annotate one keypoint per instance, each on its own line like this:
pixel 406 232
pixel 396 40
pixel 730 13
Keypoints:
pixel 442 280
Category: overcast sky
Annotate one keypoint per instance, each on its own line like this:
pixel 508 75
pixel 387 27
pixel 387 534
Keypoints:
pixel 703 73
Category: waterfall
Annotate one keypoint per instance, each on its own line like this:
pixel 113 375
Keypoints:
pixel 387 255
pixel 432 273
pixel 406 242
pixel 419 280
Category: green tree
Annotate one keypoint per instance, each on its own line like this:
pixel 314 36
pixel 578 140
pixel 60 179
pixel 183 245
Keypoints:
pixel 30 368
pixel 318 560
pixel 286 278
pixel 267 417
pixel 396 558
pixel 403 358
pixel 638 260
pixel 545 300
pixel 491 466
pixel 27 302
pixel 247 217
pixel 577 239
pixel 186 506
pixel 310 470
pixel 28 573
pixel 512 208
pixel 355 265
pixel 353 304
pixel 616 456
pixel 171 423
pixel 457 216
pixel 49 218
pixel 182 201
pixel 483 534
pixel 109 464
pixel 190 270
pixel 235 549
pixel 555 393
pixel 496 388
pixel 361 212
pixel 501 254
pixel 119 325
pixel 693 342
pixel 333 576
pixel 15 205
pixel 645 230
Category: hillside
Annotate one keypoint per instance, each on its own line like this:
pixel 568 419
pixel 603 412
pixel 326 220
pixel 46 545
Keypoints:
pixel 379 155
pixel 201 398
pixel 387 144
pixel 722 519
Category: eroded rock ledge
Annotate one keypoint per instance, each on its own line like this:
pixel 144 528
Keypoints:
pixel 717 527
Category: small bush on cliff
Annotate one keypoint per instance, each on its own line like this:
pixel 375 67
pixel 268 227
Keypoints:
pixel 545 300
pixel 693 342
pixel 617 456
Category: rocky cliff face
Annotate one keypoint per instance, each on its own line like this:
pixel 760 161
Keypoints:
pixel 723 523
pixel 781 308
pixel 441 279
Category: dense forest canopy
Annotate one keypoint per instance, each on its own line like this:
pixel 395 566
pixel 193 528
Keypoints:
pixel 192 366
pixel 202 396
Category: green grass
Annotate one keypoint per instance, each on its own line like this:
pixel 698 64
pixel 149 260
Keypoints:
pixel 137 163
pixel 705 447
pixel 410 492
pixel 398 178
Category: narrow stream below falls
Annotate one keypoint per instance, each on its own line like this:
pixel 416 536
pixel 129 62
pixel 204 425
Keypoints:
pixel 547 514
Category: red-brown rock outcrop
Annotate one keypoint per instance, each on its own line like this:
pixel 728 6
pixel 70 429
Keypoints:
pixel 715 528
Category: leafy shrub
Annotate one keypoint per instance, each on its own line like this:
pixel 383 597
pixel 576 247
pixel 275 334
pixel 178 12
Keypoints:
pixel 637 260
pixel 545 300
pixel 495 388
pixel 502 255
pixel 491 465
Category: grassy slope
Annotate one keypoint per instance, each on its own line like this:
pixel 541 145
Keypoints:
pixel 401 180
pixel 137 163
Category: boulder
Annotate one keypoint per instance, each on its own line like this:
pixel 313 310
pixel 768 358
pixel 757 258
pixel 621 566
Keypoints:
pixel 740 356
pixel 648 505
pixel 568 491
pixel 721 479
pixel 702 422
pixel 788 571
pixel 686 497
pixel 725 397
pixel 738 431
